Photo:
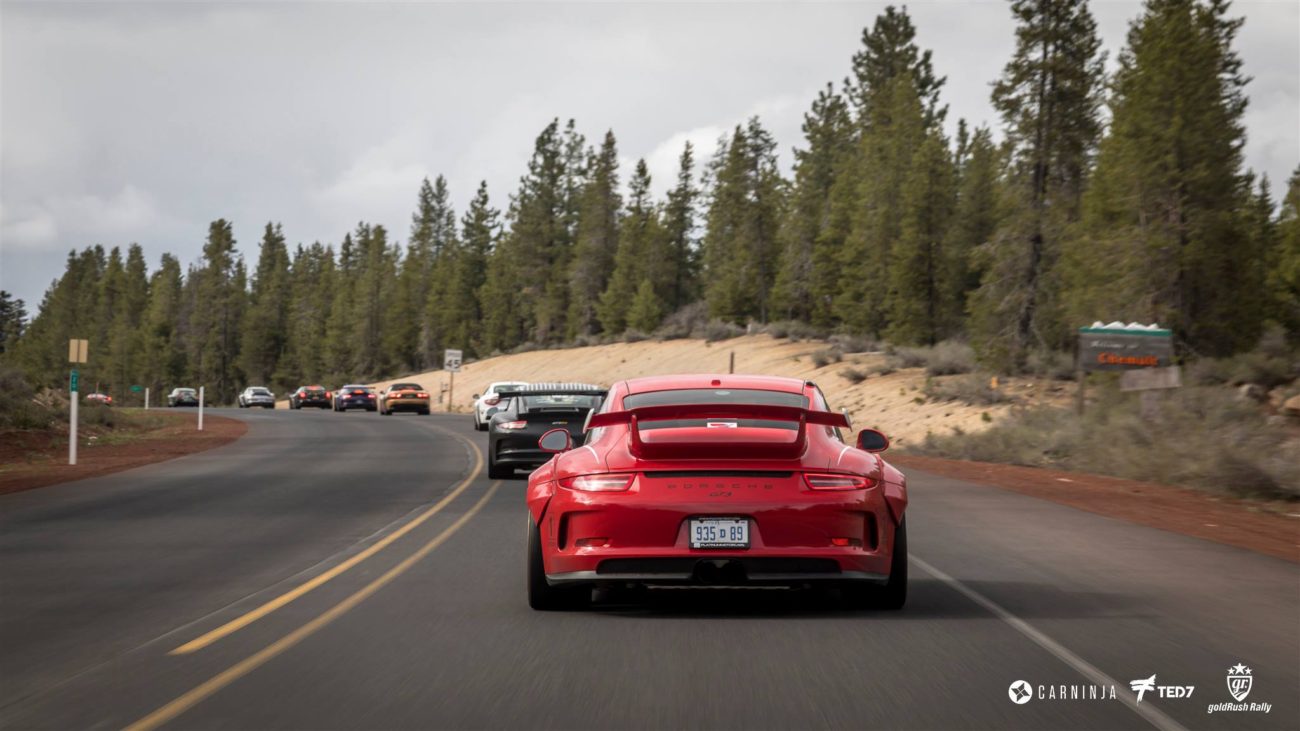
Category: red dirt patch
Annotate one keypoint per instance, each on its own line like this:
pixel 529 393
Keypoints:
pixel 1241 523
pixel 31 459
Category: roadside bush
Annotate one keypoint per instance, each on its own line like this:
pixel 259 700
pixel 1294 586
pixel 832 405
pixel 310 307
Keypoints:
pixel 715 330
pixel 92 414
pixel 826 356
pixel 1273 362
pixel 19 407
pixel 792 330
pixel 948 358
pixel 683 322
pixel 1200 437
pixel 973 389
pixel 854 375
pixel 855 343
pixel 632 335
pixel 1053 364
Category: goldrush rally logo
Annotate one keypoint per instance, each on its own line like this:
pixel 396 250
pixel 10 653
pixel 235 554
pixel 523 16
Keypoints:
pixel 1240 680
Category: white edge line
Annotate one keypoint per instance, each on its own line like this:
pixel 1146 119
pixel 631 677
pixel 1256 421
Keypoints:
pixel 1148 712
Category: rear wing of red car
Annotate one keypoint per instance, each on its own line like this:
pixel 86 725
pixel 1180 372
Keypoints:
pixel 705 448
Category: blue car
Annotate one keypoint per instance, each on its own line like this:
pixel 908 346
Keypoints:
pixel 355 397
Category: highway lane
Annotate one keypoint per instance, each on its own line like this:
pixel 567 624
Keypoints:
pixel 433 630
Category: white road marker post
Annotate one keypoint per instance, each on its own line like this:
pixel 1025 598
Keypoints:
pixel 77 352
pixel 200 408
pixel 72 420
pixel 146 399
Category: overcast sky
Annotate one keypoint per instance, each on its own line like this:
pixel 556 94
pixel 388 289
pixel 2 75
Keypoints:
pixel 143 122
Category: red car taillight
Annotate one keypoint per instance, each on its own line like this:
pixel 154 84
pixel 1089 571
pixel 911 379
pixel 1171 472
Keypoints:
pixel 328 395
pixel 492 400
pixel 598 483
pixel 422 395
pixel 512 425
pixel 836 482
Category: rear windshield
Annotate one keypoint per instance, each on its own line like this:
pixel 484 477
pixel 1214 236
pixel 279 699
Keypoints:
pixel 545 402
pixel 355 388
pixel 715 396
pixel 260 392
pixel 406 387
pixel 185 391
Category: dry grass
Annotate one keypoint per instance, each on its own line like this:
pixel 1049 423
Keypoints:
pixel 1200 437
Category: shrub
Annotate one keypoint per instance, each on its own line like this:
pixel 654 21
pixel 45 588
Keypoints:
pixel 792 329
pixel 1201 437
pixel 826 356
pixel 632 335
pixel 1053 364
pixel 945 359
pixel 19 407
pixel 973 389
pixel 715 330
pixel 855 343
pixel 683 322
pixel 853 375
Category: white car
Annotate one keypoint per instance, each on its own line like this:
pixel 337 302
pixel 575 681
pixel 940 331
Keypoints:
pixel 488 404
pixel 257 396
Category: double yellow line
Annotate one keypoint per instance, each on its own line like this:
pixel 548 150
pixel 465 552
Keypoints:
pixel 256 660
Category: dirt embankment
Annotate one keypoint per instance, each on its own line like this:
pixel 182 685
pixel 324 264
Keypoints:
pixel 893 403
pixel 37 458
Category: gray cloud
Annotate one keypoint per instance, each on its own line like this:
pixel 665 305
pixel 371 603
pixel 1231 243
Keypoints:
pixel 142 122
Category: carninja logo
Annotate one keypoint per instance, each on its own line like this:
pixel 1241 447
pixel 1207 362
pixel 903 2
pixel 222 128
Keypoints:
pixel 1020 692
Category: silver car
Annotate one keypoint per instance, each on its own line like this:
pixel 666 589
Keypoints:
pixel 257 396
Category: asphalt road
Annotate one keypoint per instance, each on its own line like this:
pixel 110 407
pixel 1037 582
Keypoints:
pixel 356 571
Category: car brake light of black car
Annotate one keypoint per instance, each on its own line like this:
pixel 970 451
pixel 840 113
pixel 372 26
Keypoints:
pixel 598 483
pixel 836 481
pixel 370 395
pixel 512 425
pixel 328 395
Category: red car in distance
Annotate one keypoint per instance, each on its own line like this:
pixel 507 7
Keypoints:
pixel 716 481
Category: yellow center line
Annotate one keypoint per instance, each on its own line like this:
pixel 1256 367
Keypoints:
pixel 214 684
pixel 252 616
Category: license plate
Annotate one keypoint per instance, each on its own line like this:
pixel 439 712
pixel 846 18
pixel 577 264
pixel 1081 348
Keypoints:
pixel 719 533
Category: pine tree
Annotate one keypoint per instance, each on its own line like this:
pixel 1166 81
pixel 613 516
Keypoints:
pixel 889 50
pixel 919 296
pixel 976 218
pixel 679 232
pixel 1167 233
pixel 807 276
pixel 13 320
pixel 889 143
pixel 480 231
pixel 640 255
pixel 163 361
pixel 597 239
pixel 372 298
pixel 645 312
pixel 1284 264
pixel 423 287
pixel 265 328
pixel 218 301
pixel 1048 97
pixel 311 295
pixel 339 346
pixel 740 242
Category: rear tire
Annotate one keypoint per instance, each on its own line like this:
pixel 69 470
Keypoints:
pixel 541 595
pixel 499 472
pixel 893 594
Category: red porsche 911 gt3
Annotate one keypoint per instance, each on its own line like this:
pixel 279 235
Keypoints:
pixel 716 481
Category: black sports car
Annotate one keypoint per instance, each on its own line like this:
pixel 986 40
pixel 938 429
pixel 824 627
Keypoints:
pixel 311 396
pixel 527 412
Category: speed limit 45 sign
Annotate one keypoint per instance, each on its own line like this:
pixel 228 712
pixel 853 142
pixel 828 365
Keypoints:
pixel 451 361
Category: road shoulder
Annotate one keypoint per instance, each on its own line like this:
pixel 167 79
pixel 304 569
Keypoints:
pixel 38 459
pixel 1271 529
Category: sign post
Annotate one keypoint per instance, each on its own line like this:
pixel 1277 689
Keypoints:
pixel 146 399
pixel 200 408
pixel 451 363
pixel 77 352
